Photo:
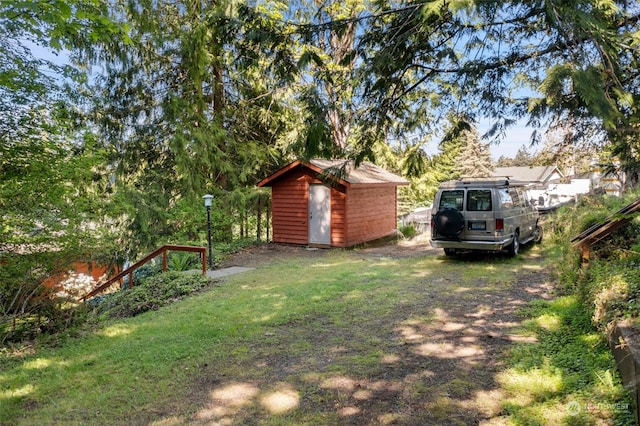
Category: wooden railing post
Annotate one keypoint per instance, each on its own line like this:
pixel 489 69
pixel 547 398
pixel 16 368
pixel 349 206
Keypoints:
pixel 164 260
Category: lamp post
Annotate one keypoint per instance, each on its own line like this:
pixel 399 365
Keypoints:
pixel 207 203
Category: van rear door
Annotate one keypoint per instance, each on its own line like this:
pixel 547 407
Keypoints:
pixel 479 214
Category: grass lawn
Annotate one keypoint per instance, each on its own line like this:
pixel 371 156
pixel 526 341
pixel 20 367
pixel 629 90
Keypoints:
pixel 341 337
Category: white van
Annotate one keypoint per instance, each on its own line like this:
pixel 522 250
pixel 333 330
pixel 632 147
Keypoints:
pixel 483 214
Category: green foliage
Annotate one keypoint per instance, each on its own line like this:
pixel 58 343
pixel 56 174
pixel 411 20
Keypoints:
pixel 30 308
pixel 613 288
pixel 610 285
pixel 409 231
pixel 183 261
pixel 569 363
pixel 53 174
pixel 481 58
pixel 217 128
pixel 153 292
pixel 49 25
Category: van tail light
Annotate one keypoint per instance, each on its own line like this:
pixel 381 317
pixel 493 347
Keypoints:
pixel 499 224
pixel 433 227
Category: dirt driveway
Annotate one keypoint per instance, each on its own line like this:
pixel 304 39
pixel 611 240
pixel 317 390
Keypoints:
pixel 437 352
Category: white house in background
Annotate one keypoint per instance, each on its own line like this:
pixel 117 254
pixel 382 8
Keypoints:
pixel 546 190
pixel 541 175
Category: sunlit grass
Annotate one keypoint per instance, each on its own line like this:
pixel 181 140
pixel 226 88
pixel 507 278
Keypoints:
pixel 550 322
pixel 309 341
pixel 568 376
pixel 532 384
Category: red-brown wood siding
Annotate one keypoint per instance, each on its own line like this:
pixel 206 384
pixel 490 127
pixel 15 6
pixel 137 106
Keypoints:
pixel 289 200
pixel 338 221
pixel 359 213
pixel 290 209
pixel 371 213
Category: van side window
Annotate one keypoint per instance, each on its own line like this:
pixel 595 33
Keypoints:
pixel 515 196
pixel 479 200
pixel 505 198
pixel 451 199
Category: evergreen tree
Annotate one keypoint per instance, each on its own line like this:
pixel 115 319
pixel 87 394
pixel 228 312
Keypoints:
pixel 193 104
pixel 464 56
pixel 523 158
pixel 328 31
pixel 504 161
pixel 474 158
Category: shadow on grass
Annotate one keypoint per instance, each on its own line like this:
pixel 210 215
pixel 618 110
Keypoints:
pixel 425 350
pixel 568 376
pixel 366 341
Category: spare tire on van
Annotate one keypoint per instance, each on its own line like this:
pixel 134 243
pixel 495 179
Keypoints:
pixel 449 222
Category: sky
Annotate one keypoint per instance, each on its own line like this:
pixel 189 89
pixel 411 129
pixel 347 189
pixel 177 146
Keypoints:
pixel 514 138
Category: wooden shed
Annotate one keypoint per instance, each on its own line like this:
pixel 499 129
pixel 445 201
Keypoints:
pixel 331 203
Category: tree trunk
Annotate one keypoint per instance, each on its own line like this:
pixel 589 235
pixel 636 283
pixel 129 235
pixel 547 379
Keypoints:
pixel 259 219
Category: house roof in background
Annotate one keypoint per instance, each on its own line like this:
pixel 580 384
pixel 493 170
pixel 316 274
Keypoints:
pixel 527 173
pixel 343 171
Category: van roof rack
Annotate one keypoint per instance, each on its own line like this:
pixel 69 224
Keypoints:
pixel 492 181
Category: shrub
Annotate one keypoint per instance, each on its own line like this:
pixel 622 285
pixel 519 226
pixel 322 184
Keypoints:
pixel 610 286
pixel 409 231
pixel 28 306
pixel 183 261
pixel 153 292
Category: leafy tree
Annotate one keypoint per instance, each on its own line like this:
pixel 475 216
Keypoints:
pixel 486 58
pixel 52 173
pixel 193 105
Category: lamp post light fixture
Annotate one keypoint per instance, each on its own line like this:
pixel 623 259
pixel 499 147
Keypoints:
pixel 207 203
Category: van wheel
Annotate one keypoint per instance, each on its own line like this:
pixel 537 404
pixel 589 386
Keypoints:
pixel 514 248
pixel 450 251
pixel 537 234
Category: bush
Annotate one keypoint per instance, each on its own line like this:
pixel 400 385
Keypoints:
pixel 153 292
pixel 409 231
pixel 28 306
pixel 610 286
pixel 183 261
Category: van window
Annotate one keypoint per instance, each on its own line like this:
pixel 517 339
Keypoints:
pixel 505 198
pixel 479 200
pixel 515 196
pixel 451 199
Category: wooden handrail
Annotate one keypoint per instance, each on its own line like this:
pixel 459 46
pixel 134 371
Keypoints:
pixel 147 258
pixel 602 230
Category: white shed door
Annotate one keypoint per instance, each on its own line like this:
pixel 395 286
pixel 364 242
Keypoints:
pixel 319 214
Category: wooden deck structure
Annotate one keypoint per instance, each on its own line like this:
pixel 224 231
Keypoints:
pixel 600 231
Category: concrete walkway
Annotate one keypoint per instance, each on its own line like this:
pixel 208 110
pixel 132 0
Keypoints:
pixel 225 272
